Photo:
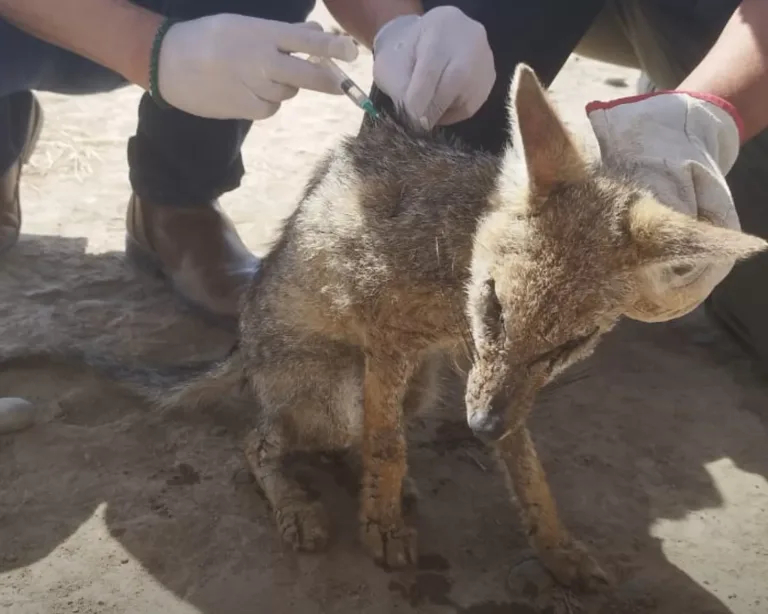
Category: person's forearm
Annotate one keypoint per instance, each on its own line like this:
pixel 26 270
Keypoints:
pixel 363 18
pixel 114 33
pixel 736 68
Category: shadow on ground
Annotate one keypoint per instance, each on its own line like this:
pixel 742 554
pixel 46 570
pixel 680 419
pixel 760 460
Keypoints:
pixel 629 445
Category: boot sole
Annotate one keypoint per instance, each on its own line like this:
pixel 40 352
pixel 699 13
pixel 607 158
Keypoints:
pixel 145 262
pixel 37 117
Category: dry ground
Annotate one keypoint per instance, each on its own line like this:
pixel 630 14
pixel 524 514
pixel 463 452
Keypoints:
pixel 659 458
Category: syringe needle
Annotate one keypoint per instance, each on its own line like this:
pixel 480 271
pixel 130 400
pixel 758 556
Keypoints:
pixel 349 87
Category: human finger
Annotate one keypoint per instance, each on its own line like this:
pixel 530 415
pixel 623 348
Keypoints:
pixel 307 38
pixel 303 74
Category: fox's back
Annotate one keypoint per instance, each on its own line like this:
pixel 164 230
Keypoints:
pixel 388 217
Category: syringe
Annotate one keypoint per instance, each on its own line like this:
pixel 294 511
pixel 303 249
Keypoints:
pixel 349 87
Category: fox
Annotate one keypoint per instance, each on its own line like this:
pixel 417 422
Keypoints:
pixel 407 247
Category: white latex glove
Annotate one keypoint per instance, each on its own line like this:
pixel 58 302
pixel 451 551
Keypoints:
pixel 438 66
pixel 236 67
pixel 680 146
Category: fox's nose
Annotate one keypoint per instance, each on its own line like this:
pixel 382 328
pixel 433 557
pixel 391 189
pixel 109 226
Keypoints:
pixel 488 426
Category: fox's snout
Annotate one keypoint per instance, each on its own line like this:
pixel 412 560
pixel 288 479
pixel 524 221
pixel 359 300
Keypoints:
pixel 488 421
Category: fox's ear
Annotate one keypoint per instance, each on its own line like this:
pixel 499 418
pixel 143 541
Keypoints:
pixel 662 236
pixel 539 136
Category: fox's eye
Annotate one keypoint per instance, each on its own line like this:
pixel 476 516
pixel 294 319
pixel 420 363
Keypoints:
pixel 493 314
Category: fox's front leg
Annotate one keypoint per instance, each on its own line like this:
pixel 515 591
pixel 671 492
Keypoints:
pixel 384 458
pixel 567 559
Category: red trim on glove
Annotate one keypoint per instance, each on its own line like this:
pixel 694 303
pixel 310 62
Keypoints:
pixel 726 106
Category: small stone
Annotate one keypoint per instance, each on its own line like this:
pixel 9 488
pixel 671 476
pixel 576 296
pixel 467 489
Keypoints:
pixel 16 414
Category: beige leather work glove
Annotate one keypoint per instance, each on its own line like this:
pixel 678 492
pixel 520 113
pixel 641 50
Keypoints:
pixel 680 146
pixel 438 66
pixel 235 67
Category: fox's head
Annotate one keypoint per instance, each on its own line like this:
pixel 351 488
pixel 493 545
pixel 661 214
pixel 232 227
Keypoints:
pixel 564 251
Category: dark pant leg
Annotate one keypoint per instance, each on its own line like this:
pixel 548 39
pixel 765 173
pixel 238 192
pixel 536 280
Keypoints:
pixel 542 34
pixel 27 63
pixel 178 159
pixel 663 38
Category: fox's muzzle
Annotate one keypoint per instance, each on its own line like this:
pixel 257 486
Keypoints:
pixel 487 425
pixel 500 412
pixel 489 422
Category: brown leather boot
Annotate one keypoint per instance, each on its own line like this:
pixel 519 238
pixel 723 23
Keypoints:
pixel 196 249
pixel 10 206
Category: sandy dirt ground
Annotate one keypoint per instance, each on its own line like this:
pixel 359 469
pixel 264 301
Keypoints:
pixel 658 457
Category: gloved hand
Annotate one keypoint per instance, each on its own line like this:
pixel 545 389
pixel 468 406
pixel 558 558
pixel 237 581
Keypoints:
pixel 236 67
pixel 439 66
pixel 680 146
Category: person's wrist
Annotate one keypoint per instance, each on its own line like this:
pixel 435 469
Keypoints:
pixel 154 61
pixel 135 60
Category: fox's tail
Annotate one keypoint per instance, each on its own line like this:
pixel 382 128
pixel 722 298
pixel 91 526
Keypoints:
pixel 192 385
pixel 220 383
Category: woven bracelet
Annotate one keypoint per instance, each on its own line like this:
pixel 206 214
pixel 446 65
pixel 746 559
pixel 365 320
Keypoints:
pixel 154 61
